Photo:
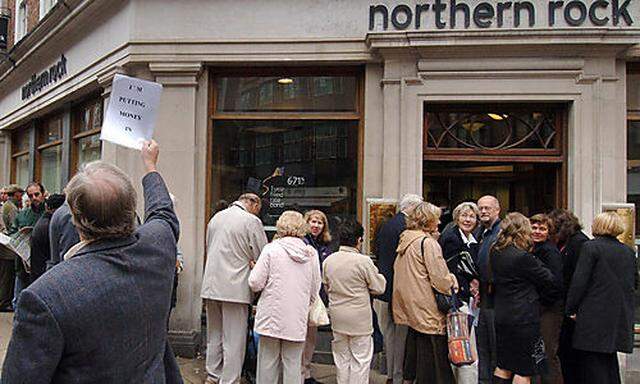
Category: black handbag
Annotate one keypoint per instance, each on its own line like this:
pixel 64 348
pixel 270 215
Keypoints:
pixel 445 303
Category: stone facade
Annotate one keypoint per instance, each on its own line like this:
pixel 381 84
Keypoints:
pixel 182 46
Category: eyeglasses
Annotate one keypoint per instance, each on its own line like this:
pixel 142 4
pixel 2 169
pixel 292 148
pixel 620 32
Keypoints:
pixel 33 195
pixel 468 216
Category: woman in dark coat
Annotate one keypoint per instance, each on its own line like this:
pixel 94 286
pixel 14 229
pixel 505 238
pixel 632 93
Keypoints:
pixel 517 278
pixel 569 238
pixel 600 300
pixel 552 311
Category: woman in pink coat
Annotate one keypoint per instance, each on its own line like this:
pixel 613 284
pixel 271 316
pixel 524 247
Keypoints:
pixel 288 274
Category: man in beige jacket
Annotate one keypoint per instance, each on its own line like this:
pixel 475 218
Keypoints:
pixel 235 238
pixel 350 278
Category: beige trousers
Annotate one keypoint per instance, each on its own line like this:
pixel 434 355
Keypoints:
pixel 309 348
pixel 279 358
pixel 394 340
pixel 226 340
pixel 352 356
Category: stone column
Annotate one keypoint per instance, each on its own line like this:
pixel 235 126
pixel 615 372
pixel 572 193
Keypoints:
pixel 181 131
pixel 5 157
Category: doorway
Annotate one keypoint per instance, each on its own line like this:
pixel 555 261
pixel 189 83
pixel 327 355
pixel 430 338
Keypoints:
pixel 528 188
pixel 513 151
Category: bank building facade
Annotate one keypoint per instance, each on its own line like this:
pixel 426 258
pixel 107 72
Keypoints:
pixel 342 106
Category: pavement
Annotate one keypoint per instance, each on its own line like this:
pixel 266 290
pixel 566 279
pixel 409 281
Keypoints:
pixel 193 371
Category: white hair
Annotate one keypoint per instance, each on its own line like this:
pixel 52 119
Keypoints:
pixel 409 201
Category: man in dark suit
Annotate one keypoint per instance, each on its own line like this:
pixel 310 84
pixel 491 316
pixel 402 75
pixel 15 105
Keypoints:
pixel 487 234
pixel 40 250
pixel 62 235
pixel 100 317
pixel 386 244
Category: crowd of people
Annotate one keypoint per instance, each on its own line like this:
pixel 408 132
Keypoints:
pixel 545 303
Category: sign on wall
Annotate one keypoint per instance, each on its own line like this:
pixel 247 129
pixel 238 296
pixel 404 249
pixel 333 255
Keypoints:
pixel 41 80
pixel 473 14
pixel 132 111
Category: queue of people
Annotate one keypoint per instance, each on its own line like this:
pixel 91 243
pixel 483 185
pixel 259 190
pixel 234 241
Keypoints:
pixel 545 303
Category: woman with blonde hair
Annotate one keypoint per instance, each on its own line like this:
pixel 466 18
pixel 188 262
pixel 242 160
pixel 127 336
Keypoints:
pixel 517 277
pixel 420 271
pixel 319 237
pixel 601 301
pixel 288 274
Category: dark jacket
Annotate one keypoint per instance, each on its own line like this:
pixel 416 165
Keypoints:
pixel 387 241
pixel 100 317
pixel 323 251
pixel 570 252
pixel 486 238
pixel 452 245
pixel 550 257
pixel 62 234
pixel 601 294
pixel 519 279
pixel 40 251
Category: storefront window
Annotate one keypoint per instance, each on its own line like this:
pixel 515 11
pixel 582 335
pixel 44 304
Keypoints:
pixel 294 162
pixel 633 167
pixel 284 93
pixel 20 157
pixel 87 122
pixel 50 154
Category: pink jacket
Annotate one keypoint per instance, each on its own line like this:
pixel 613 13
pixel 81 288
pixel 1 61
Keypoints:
pixel 288 274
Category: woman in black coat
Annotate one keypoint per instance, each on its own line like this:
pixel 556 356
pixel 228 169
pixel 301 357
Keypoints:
pixel 600 300
pixel 552 310
pixel 569 238
pixel 518 280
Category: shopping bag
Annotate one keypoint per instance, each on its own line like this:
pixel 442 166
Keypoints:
pixel 459 339
pixel 318 315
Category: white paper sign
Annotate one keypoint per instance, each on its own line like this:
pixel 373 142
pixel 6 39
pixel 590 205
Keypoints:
pixel 132 111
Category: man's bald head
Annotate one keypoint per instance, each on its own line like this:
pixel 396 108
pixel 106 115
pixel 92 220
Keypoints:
pixel 489 208
pixel 102 202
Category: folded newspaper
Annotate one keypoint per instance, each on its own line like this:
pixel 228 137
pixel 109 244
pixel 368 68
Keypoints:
pixel 18 245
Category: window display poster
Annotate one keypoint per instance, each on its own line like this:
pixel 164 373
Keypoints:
pixel 132 111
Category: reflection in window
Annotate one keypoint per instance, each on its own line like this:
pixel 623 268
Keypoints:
pixel 22 170
pixel 51 167
pixel 297 94
pixel 89 150
pixel 633 167
pixel 318 159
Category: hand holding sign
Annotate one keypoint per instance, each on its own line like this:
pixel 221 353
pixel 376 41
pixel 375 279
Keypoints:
pixel 132 111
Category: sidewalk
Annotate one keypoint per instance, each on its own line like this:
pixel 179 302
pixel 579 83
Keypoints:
pixel 193 371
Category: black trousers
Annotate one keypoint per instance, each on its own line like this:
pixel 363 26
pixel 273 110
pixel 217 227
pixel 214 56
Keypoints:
pixel 569 357
pixel 428 357
pixel 486 341
pixel 601 368
pixel 7 278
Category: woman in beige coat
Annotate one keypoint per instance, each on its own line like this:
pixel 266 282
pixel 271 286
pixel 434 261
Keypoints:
pixel 419 270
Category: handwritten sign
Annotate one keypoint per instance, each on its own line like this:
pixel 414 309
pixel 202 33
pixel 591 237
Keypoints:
pixel 132 111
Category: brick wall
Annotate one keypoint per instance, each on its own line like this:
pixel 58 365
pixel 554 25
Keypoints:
pixel 33 17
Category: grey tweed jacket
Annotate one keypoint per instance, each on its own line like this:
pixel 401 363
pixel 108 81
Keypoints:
pixel 101 316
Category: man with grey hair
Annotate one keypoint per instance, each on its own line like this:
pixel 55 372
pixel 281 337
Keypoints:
pixel 387 240
pixel 101 315
pixel 486 234
pixel 235 238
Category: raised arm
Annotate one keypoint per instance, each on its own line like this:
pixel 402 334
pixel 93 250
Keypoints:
pixel 157 202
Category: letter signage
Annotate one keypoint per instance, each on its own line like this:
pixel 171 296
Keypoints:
pixel 452 14
pixel 45 78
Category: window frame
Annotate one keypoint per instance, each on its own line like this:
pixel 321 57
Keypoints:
pixel 20 30
pixel 77 134
pixel 215 115
pixel 15 154
pixel 45 7
pixel 41 144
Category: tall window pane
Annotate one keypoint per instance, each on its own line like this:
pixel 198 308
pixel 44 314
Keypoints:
pixel 51 167
pixel 22 170
pixel 633 167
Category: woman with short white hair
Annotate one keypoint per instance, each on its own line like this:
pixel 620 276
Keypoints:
pixel 288 274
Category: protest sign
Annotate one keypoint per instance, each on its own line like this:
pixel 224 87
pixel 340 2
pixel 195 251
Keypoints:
pixel 132 111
